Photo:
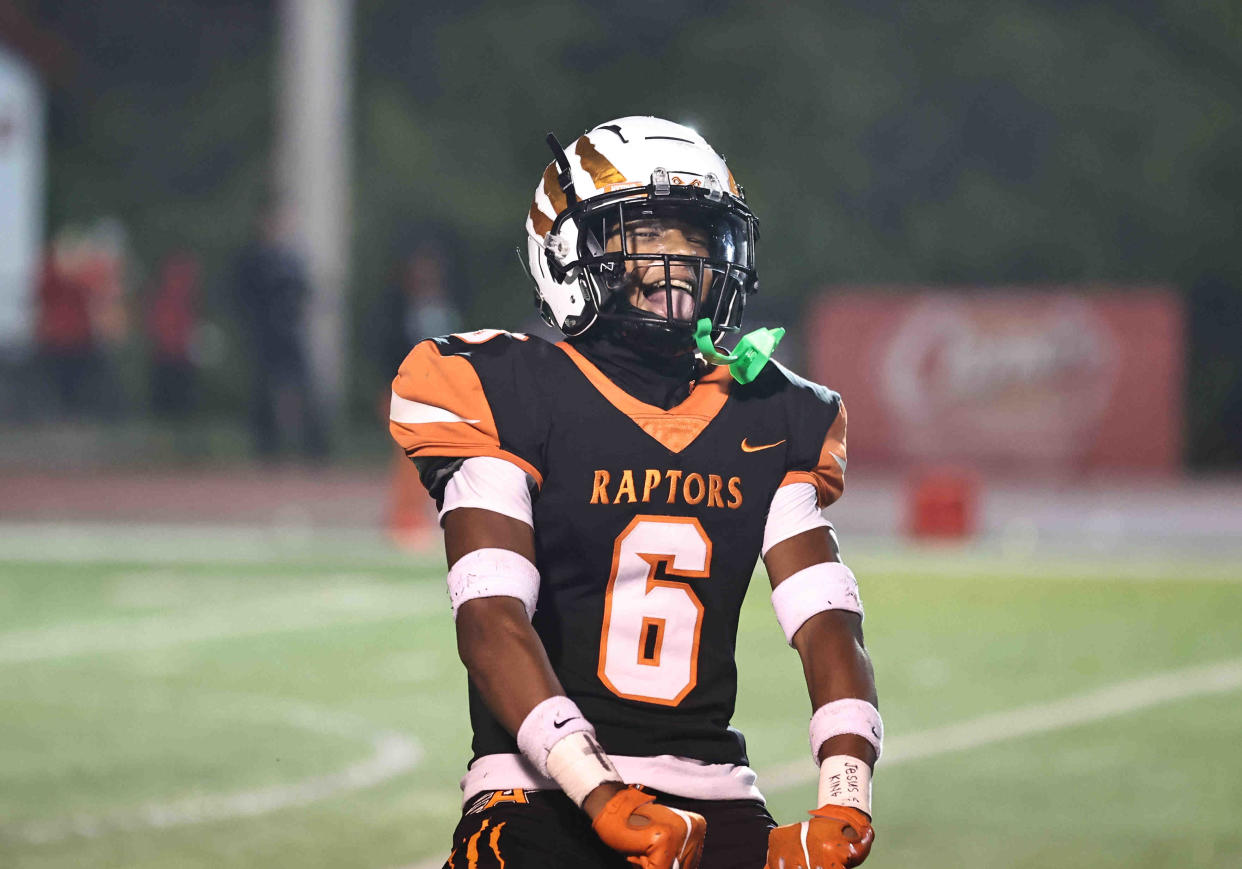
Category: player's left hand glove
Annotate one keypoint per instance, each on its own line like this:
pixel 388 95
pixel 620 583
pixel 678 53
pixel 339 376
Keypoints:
pixel 651 836
pixel 836 838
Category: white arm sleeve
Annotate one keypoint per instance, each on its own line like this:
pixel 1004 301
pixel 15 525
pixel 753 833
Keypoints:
pixel 493 573
pixel 829 585
pixel 490 484
pixel 794 509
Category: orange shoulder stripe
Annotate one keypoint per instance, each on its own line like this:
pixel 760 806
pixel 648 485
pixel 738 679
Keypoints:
pixel 828 475
pixel 439 408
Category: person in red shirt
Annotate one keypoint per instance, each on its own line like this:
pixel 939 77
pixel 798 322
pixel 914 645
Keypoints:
pixel 67 350
pixel 171 325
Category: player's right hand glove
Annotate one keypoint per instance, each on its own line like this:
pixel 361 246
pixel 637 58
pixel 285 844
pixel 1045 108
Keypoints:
pixel 651 836
pixel 836 838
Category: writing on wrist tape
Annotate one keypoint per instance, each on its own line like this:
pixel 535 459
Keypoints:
pixel 845 781
pixel 847 715
pixel 578 764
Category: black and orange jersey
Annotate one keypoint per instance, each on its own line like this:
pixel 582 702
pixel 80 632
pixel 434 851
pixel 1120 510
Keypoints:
pixel 648 522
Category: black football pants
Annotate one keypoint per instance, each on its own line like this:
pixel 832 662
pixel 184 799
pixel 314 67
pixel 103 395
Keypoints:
pixel 544 830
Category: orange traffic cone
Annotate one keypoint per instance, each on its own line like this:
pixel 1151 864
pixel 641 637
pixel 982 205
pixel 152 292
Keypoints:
pixel 412 520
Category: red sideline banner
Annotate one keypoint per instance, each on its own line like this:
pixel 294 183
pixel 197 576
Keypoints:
pixel 1023 381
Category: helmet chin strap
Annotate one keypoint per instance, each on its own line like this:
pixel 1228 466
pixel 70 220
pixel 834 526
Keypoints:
pixel 749 356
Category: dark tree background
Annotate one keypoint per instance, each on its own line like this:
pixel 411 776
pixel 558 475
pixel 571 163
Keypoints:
pixel 1021 141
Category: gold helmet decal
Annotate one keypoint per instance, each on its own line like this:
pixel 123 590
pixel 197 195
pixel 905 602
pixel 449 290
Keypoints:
pixel 600 168
pixel 662 167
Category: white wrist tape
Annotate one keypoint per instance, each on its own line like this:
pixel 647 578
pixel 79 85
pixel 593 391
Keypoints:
pixel 546 725
pixel 848 715
pixel 794 509
pixel 579 766
pixel 845 781
pixel 488 483
pixel 829 585
pixel 493 573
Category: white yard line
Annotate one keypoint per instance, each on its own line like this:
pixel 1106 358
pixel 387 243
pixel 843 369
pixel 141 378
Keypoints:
pixel 391 755
pixel 394 753
pixel 1110 701
pixel 983 563
pixel 76 542
pixel 73 542
pixel 314 608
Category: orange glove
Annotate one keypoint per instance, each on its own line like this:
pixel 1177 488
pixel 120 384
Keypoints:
pixel 650 835
pixel 836 838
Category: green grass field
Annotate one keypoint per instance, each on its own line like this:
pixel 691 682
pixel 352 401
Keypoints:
pixel 306 709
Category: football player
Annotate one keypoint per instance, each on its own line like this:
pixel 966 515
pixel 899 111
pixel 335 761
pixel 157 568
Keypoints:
pixel 604 501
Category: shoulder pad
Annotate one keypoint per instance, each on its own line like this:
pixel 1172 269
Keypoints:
pixel 788 380
pixel 439 405
pixel 491 342
pixel 817 420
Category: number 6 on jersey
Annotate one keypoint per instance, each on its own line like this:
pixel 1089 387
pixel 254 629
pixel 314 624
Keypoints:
pixel 649 645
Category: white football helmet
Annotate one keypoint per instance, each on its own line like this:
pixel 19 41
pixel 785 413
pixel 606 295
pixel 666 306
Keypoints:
pixel 603 199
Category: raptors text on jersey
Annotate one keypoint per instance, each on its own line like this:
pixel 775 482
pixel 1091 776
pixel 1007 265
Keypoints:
pixel 648 522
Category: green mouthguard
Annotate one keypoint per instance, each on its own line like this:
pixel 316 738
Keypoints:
pixel 747 358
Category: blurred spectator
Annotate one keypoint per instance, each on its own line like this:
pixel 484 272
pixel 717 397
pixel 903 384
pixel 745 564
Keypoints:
pixel 99 258
pixel 68 355
pixel 82 322
pixel 419 304
pixel 272 290
pixel 172 323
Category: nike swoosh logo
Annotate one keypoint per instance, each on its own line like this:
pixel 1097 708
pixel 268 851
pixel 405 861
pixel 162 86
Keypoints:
pixel 559 724
pixel 747 448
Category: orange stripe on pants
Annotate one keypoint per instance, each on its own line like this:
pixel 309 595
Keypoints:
pixel 494 843
pixel 472 849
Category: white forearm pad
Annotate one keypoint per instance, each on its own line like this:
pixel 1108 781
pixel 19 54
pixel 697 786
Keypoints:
pixel 848 715
pixel 488 483
pixel 845 781
pixel 546 725
pixel 794 509
pixel 579 766
pixel 829 585
pixel 493 573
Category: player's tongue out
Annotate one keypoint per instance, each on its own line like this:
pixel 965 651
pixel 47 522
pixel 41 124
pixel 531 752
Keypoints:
pixel 657 297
